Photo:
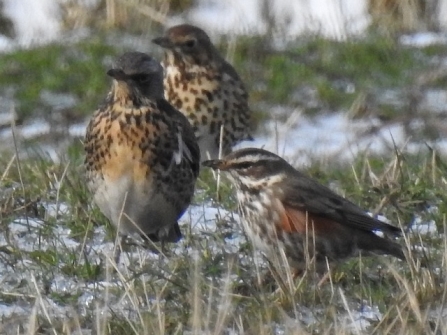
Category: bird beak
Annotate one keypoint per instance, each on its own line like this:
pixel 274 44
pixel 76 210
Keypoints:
pixel 117 74
pixel 164 42
pixel 215 164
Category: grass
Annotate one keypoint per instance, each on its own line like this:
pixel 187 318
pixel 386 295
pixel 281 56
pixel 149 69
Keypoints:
pixel 59 69
pixel 203 285
pixel 315 74
pixel 58 265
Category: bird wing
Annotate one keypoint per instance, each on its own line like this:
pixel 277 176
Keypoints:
pixel 304 193
pixel 187 143
pixel 295 220
pixel 328 234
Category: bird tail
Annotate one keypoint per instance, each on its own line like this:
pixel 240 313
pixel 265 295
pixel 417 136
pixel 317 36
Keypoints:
pixel 380 245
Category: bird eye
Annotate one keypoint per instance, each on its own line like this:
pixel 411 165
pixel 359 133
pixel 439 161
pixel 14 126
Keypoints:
pixel 190 43
pixel 244 165
pixel 141 78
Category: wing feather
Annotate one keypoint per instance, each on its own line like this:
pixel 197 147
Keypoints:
pixel 310 196
pixel 188 147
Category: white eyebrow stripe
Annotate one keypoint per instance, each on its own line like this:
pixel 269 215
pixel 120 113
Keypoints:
pixel 254 158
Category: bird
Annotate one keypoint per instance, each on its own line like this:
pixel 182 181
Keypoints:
pixel 285 212
pixel 204 87
pixel 142 158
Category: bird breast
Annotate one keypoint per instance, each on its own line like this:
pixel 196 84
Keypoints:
pixel 260 212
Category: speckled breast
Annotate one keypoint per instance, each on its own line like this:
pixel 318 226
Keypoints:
pixel 209 99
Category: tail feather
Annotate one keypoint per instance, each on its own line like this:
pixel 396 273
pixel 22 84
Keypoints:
pixel 379 245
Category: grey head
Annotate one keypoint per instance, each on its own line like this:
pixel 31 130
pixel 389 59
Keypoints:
pixel 142 74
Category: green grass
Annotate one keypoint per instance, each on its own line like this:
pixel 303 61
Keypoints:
pixel 337 71
pixel 77 69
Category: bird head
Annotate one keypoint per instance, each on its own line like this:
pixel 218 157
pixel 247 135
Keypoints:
pixel 188 43
pixel 136 73
pixel 252 166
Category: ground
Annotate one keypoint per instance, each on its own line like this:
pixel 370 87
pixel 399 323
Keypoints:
pixel 364 117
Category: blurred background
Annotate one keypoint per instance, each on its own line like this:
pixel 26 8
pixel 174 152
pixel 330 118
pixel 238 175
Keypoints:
pixel 327 78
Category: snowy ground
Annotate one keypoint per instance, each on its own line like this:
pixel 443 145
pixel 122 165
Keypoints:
pixel 25 234
pixel 300 139
pixel 34 290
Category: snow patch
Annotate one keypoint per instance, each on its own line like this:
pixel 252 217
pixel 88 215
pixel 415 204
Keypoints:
pixel 35 21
